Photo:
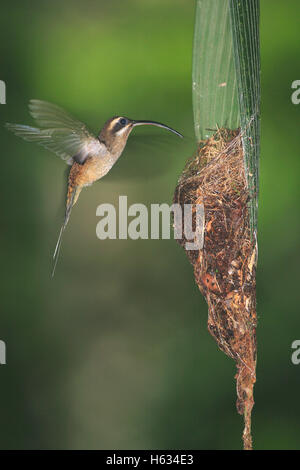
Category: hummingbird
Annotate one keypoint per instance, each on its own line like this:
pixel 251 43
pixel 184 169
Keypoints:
pixel 90 157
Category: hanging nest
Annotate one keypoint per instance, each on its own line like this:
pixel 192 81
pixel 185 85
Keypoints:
pixel 225 266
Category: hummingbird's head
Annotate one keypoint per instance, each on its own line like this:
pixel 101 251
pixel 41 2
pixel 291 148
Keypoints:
pixel 116 130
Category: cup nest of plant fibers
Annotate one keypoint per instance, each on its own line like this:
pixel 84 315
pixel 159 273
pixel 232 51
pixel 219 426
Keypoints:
pixel 224 268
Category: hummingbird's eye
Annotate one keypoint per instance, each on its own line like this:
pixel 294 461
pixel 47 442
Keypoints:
pixel 120 124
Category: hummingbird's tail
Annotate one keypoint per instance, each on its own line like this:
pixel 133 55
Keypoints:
pixel 73 193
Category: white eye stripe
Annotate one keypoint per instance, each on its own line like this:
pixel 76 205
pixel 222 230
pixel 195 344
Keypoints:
pixel 121 131
pixel 113 123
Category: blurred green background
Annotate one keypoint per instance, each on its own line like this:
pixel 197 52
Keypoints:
pixel 114 352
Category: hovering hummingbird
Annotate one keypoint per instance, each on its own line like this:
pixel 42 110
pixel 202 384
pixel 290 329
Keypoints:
pixel 90 157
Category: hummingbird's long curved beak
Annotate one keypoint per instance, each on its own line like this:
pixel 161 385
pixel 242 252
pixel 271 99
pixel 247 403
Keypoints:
pixel 157 124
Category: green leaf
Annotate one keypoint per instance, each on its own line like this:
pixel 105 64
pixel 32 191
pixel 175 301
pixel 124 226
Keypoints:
pixel 245 32
pixel 226 79
pixel 215 99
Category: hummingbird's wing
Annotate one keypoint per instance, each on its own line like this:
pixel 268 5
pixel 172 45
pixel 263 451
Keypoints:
pixel 61 133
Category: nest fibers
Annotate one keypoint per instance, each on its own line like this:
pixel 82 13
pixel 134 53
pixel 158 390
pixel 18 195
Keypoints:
pixel 225 267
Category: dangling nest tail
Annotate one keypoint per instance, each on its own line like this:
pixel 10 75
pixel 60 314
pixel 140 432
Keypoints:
pixel 225 267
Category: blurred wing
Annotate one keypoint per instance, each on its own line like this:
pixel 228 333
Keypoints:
pixel 61 133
